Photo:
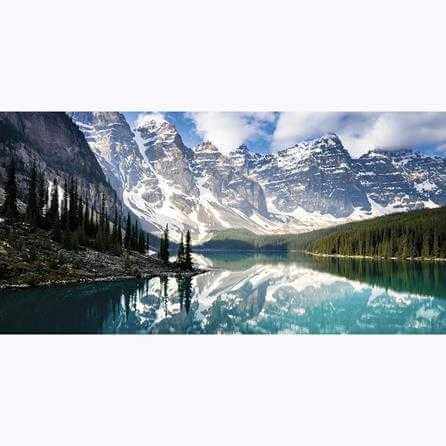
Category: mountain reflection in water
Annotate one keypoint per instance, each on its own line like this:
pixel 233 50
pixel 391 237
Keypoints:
pixel 246 294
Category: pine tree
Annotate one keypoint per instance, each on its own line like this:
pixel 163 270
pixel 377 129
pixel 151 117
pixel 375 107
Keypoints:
pixel 87 217
pixel 80 213
pixel 119 231
pixel 161 249
pixel 64 211
pixel 10 204
pixel 128 232
pixel 425 250
pixel 435 246
pixel 53 211
pixel 53 218
pixel 188 253
pixel 92 225
pixel 106 232
pixel 42 198
pixel 73 211
pixel 102 214
pixel 31 199
pixel 166 245
pixel 114 234
pixel 180 255
pixel 135 236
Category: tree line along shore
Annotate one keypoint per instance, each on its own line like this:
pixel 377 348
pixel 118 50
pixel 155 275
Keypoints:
pixel 418 234
pixel 415 235
pixel 54 227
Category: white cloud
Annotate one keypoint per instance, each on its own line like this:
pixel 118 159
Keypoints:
pixel 227 130
pixel 361 132
pixel 144 118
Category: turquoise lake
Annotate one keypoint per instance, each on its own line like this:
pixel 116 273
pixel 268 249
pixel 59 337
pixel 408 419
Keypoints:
pixel 258 294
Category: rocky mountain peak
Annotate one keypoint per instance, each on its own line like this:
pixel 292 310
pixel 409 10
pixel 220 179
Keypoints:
pixel 326 143
pixel 155 125
pixel 206 146
pixel 242 149
pixel 312 184
pixel 395 153
pixel 158 138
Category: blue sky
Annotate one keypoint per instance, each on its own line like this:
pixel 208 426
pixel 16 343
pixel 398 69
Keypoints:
pixel 271 131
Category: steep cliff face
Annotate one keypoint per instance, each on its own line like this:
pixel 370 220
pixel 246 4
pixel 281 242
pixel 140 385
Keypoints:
pixel 112 141
pixel 385 183
pixel 317 176
pixel 427 174
pixel 55 144
pixel 227 181
pixel 165 182
pixel 402 179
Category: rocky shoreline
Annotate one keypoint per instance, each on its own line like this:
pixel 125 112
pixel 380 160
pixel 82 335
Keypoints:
pixel 29 258
pixel 345 256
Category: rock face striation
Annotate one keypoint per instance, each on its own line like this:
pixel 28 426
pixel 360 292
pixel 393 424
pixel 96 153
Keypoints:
pixel 310 185
pixel 56 145
pixel 165 182
pixel 402 179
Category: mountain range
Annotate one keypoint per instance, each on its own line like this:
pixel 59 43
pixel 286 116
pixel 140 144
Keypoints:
pixel 310 185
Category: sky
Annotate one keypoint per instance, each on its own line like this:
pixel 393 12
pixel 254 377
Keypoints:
pixel 265 132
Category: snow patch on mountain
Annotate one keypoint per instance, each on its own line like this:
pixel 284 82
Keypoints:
pixel 311 185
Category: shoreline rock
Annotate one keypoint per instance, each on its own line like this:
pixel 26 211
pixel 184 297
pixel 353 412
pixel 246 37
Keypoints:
pixel 29 258
pixel 346 256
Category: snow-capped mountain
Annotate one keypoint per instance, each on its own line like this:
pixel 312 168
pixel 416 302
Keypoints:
pixel 310 185
pixel 316 175
pixel 427 174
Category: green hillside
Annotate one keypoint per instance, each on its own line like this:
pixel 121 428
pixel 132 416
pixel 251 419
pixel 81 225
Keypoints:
pixel 413 234
pixel 242 239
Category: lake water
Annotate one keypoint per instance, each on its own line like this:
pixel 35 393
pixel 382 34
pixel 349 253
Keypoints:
pixel 245 294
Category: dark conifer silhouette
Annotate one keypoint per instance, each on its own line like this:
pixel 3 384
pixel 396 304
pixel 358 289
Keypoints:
pixel 188 253
pixel 410 235
pixel 180 255
pixel 128 232
pixel 164 246
pixel 42 198
pixel 10 204
pixel 76 220
pixel 31 213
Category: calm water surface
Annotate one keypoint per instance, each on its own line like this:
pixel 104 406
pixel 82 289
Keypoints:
pixel 245 294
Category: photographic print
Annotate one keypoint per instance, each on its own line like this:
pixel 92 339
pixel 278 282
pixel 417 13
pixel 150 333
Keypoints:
pixel 223 222
pixel 228 214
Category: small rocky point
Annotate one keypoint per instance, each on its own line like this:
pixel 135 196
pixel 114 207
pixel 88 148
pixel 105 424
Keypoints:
pixel 28 257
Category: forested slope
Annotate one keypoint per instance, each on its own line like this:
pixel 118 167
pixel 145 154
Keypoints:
pixel 242 239
pixel 417 234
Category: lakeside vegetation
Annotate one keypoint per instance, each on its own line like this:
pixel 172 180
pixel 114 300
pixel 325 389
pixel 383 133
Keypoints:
pixel 47 238
pixel 244 240
pixel 409 235
pixel 71 219
pixel 414 234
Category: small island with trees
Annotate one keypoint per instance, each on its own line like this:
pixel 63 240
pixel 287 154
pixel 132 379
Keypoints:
pixel 54 235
